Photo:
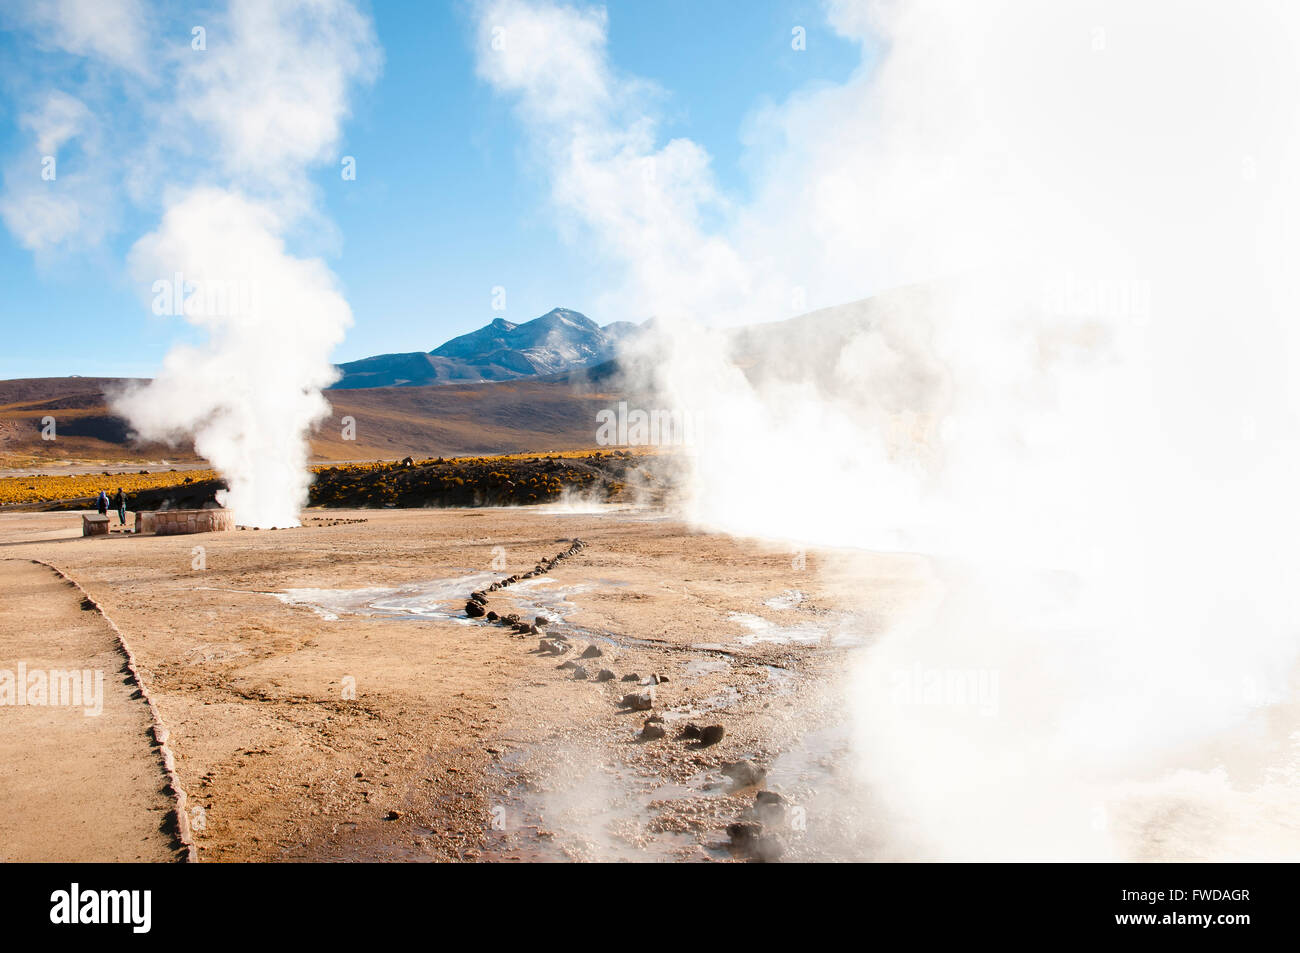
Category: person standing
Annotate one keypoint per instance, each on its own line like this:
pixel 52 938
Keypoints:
pixel 119 502
pixel 101 503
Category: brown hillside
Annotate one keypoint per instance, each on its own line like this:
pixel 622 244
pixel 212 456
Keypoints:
pixel 390 422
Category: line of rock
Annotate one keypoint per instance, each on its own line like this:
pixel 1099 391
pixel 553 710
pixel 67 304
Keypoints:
pixel 476 606
pixel 751 836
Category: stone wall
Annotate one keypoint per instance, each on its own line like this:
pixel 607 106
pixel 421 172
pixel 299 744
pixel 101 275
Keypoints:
pixel 175 522
pixel 94 525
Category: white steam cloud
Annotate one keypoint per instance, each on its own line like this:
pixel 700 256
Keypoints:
pixel 1079 397
pixel 251 392
pixel 268 95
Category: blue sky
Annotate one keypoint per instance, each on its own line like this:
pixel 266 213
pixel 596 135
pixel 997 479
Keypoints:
pixel 447 203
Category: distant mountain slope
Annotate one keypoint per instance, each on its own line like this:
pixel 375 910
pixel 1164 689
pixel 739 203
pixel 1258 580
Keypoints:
pixel 466 411
pixel 391 422
pixel 560 340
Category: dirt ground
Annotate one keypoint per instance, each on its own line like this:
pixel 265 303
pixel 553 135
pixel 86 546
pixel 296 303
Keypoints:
pixel 78 781
pixel 328 699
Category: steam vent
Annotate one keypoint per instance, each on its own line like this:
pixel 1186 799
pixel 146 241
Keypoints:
pixel 176 522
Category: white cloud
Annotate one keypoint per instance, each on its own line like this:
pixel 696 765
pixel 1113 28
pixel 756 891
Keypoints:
pixel 60 118
pixel 272 85
pixel 595 134
pixel 38 218
pixel 57 194
pixel 110 30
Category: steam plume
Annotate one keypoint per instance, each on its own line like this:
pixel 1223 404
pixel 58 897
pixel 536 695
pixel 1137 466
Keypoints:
pixel 270 92
pixel 1089 356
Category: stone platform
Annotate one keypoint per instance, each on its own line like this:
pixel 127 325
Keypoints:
pixel 176 522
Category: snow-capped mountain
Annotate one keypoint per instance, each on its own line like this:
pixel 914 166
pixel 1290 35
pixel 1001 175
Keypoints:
pixel 560 340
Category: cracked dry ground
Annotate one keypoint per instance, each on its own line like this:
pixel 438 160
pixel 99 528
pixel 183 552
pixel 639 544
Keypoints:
pixel 463 741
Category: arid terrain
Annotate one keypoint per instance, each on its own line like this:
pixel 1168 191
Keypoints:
pixel 327 698
pixel 551 413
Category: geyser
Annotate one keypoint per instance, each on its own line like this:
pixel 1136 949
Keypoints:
pixel 1092 369
pixel 251 393
pixel 260 108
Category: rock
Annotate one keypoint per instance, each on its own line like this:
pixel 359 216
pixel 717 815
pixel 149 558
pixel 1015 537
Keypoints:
pixel 393 816
pixel 652 731
pixel 711 734
pixel 639 701
pixel 743 831
pixel 580 672
pixel 744 773
pixel 654 680
pixel 569 664
pixel 604 675
pixel 479 597
pixel 631 677
pixel 492 616
pixel 769 808
pixel 691 732
pixel 750 841
pixel 473 609
pixel 541 621
pixel 592 652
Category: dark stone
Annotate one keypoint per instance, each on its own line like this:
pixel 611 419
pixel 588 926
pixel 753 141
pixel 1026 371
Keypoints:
pixel 750 841
pixel 744 773
pixel 592 652
pixel 631 677
pixel 742 832
pixel 639 701
pixel 769 807
pixel 473 609
pixel 604 675
pixel 712 734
